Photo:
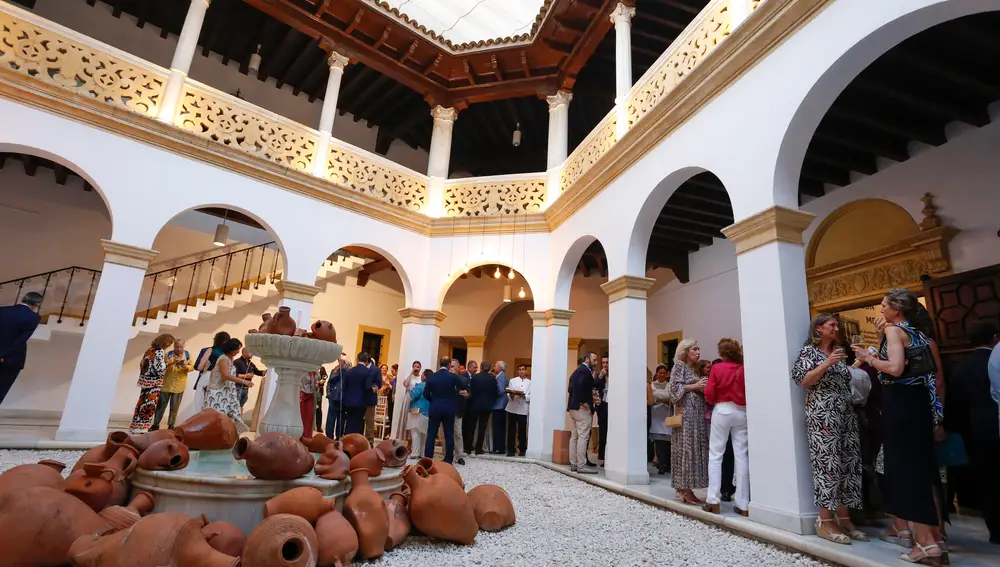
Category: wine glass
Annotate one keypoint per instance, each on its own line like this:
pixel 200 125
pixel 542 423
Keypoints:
pixel 857 340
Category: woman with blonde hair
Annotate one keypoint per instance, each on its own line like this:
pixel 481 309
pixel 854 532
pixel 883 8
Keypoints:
pixel 151 371
pixel 689 442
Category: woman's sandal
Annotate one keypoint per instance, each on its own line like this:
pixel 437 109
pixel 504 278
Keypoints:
pixel 854 533
pixel 943 546
pixel 902 538
pixel 689 498
pixel 925 558
pixel 834 537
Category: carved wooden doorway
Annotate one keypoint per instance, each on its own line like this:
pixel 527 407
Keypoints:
pixel 957 301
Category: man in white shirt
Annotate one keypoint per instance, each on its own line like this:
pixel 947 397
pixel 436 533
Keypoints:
pixel 518 396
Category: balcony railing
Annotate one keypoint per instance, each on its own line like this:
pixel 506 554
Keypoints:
pixel 48 52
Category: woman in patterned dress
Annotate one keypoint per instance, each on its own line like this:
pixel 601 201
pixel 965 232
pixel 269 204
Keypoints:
pixel 832 427
pixel 151 371
pixel 222 393
pixel 689 442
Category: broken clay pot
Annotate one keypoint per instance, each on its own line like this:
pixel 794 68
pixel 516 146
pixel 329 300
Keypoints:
pixel 225 538
pixel 354 444
pixel 338 542
pixel 208 430
pixel 38 525
pixel 274 456
pixel 394 452
pixel 441 467
pixel 333 464
pixel 43 473
pixel 492 506
pixel 282 539
pixel 165 455
pixel 439 507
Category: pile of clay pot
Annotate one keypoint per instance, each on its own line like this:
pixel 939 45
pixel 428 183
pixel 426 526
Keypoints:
pixel 83 520
pixel 281 323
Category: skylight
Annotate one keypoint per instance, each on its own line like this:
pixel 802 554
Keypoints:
pixel 468 21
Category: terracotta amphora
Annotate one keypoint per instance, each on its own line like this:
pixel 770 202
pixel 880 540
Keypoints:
pixel 123 463
pixel 94 486
pixel 354 444
pixel 338 542
pixel 441 467
pixel 333 464
pixel 265 324
pixel 101 453
pixel 154 541
pixel 224 538
pixel 38 525
pixel 305 502
pixel 394 452
pixel 43 473
pixel 492 506
pixel 399 517
pixel 282 539
pixel 165 455
pixel 274 456
pixel 123 517
pixel 282 323
pixel 439 507
pixel 324 331
pixel 363 508
pixel 208 430
pixel 317 443
pixel 370 460
pixel 143 441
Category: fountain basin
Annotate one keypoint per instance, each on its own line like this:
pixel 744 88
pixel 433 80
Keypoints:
pixel 221 488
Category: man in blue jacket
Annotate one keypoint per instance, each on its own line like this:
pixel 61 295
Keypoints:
pixel 371 399
pixel 442 390
pixel 500 410
pixel 483 397
pixel 17 323
pixel 335 418
pixel 356 380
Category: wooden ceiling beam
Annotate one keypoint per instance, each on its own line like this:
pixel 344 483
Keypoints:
pixel 673 243
pixel 672 233
pixel 662 22
pixel 868 141
pixel 30 164
pixel 375 102
pixel 680 6
pixel 826 173
pixel 365 98
pixel 309 55
pixel 358 16
pixel 811 187
pixel 560 46
pixel 942 108
pixel 867 166
pixel 575 25
pixel 372 268
pixel 61 173
pixel 683 203
pixel 889 120
pixel 925 64
pixel 670 215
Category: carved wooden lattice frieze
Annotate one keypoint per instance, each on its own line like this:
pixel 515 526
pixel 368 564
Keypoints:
pixel 51 58
pixel 244 129
pixel 367 177
pixel 689 52
pixel 589 152
pixel 497 198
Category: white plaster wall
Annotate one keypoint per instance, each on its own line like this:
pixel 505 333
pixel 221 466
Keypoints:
pixel 509 337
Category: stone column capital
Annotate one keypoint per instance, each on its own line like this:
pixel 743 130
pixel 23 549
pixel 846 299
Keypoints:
pixel 622 287
pixel 422 316
pixel 337 61
pixel 550 317
pixel 475 341
pixel 561 98
pixel 443 114
pixel 622 14
pixel 774 224
pixel 297 291
pixel 127 255
pixel 573 344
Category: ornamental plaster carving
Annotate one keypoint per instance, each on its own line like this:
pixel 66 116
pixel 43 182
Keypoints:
pixel 337 61
pixel 367 177
pixel 48 57
pixel 494 198
pixel 561 98
pixel 592 149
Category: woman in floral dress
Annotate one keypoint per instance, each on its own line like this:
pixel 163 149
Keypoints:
pixel 222 393
pixel 151 371
pixel 832 429
pixel 689 443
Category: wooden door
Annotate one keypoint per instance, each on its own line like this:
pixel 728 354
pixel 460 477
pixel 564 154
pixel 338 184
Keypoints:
pixel 957 301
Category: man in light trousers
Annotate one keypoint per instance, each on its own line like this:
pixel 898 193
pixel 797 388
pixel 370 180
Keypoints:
pixel 581 396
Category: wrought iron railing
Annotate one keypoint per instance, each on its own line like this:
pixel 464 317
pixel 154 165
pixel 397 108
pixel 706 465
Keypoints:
pixel 66 292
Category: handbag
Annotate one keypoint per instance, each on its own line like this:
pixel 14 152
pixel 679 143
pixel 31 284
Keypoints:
pixel 675 420
pixel 951 452
pixel 414 411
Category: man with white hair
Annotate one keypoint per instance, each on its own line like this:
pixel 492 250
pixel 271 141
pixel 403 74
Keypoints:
pixel 17 324
pixel 179 364
pixel 500 410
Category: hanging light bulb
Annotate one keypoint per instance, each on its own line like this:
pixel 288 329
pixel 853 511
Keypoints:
pixel 221 231
pixel 511 274
pixel 497 273
pixel 254 64
pixel 465 269
pixel 516 140
pixel 506 293
pixel 521 293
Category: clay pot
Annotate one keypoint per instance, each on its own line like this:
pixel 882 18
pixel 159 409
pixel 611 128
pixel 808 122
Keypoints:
pixel 123 517
pixel 394 452
pixel 333 464
pixel 282 323
pixel 154 541
pixel 283 539
pixel 208 430
pixel 439 507
pixel 144 441
pixel 354 444
pixel 370 460
pixel 94 486
pixel 265 323
pixel 122 464
pixel 39 524
pixel 274 456
pixel 317 443
pixel 324 331
pixel 165 455
pixel 101 453
pixel 305 502
pixel 492 506
pixel 363 508
pixel 338 542
pixel 441 467
pixel 224 538
pixel 399 518
pixel 42 473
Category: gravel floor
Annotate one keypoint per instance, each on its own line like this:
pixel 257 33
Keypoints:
pixel 561 521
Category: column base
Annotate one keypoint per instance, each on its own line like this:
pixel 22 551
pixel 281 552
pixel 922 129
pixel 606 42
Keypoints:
pixel 626 477
pixel 96 436
pixel 796 523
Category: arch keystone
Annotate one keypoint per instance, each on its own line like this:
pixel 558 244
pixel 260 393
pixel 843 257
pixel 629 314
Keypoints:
pixel 774 224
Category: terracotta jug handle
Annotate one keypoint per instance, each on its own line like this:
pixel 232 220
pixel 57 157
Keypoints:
pixel 56 465
pixel 98 469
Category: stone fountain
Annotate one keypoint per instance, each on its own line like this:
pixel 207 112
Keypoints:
pixel 219 486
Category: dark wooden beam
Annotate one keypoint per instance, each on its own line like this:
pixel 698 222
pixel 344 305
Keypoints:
pixel 62 174
pixel 559 46
pixel 864 139
pixel 380 84
pixel 680 6
pixel 890 121
pixel 372 268
pixel 925 64
pixel 375 102
pixel 659 242
pixel 811 187
pixel 575 25
pixel 825 173
pixel 671 232
pixel 668 215
pixel 663 22
pixel 30 165
pixel 943 108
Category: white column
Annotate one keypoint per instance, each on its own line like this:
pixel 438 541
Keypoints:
pixel 299 298
pixel 774 308
pixel 419 341
pixel 337 64
pixel 438 158
pixel 95 377
pixel 558 143
pixel 621 17
pixel 626 452
pixel 187 43
pixel 474 346
pixel 550 334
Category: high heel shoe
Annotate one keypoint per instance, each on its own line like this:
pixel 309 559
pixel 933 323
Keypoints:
pixel 943 546
pixel 831 536
pixel 854 533
pixel 925 557
pixel 902 538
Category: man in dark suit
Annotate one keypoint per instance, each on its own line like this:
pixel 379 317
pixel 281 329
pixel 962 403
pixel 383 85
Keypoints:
pixel 581 397
pixel 442 390
pixel 469 421
pixel 371 399
pixel 464 381
pixel 17 323
pixel 356 381
pixel 481 400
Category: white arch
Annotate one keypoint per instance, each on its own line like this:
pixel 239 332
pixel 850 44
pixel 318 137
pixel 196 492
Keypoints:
pixel 567 269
